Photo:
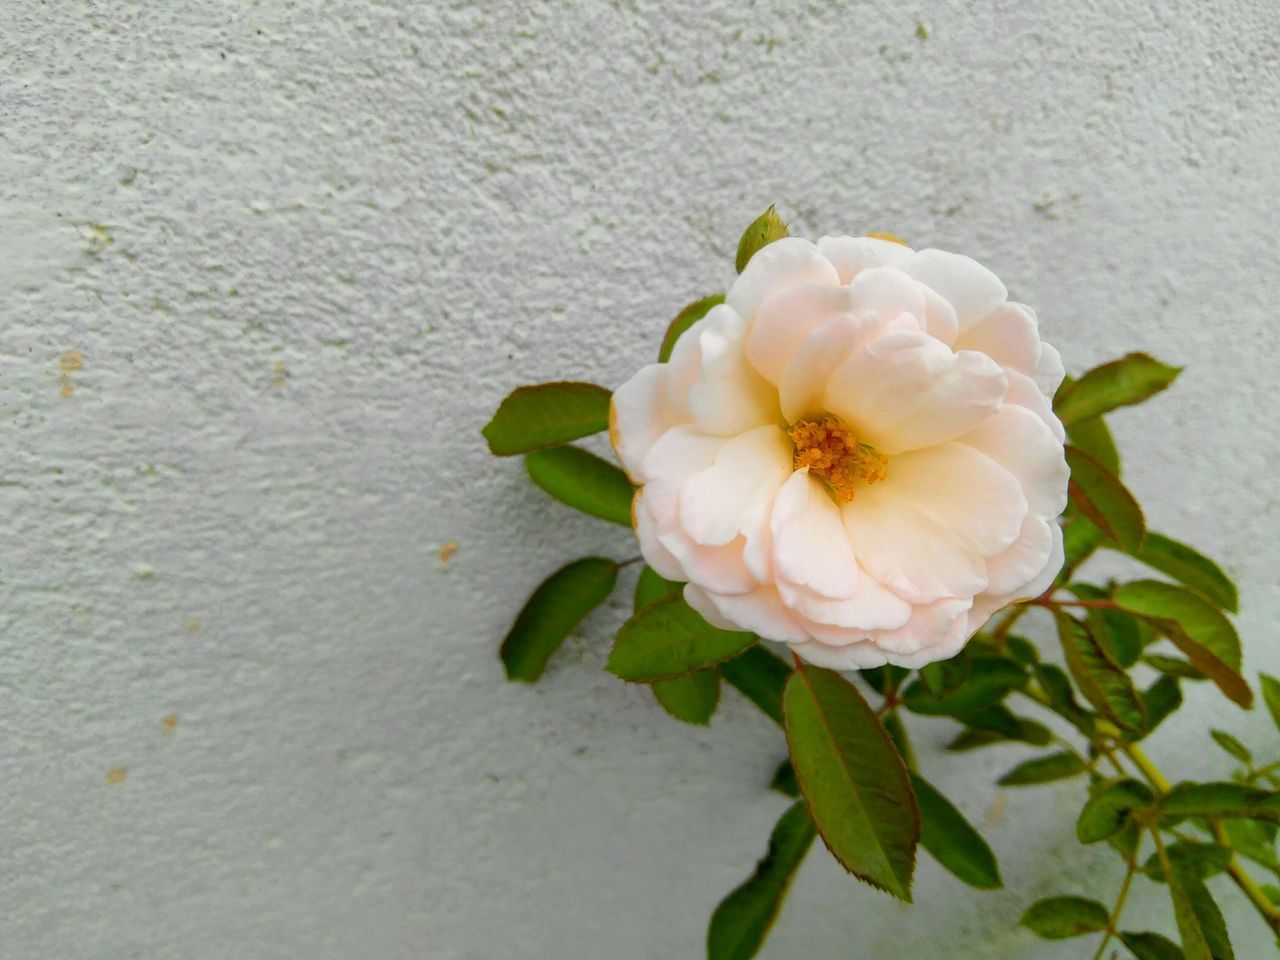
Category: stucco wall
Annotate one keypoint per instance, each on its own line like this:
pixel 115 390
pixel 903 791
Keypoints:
pixel 265 269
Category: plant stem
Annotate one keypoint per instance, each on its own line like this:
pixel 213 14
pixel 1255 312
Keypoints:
pixel 1089 604
pixel 1113 922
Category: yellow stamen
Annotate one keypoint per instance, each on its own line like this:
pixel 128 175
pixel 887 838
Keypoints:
pixel 833 455
pixel 892 238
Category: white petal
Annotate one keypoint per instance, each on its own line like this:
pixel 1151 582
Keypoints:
pixel 906 390
pixel 717 502
pixel 1008 335
pixel 969 286
pixel 1024 392
pixel 940 317
pixel 853 656
pixel 1040 580
pixel 851 255
pixel 698 598
pixel 678 454
pixel 987 604
pixel 804 384
pixel 655 554
pixel 1023 444
pixel 926 529
pixel 638 416
pixel 785 318
pixel 760 611
pixel 1023 561
pixel 1049 371
pixel 729 396
pixel 887 292
pixel 810 545
pixel 777 265
pixel 931 626
pixel 720 568
pixel 843 621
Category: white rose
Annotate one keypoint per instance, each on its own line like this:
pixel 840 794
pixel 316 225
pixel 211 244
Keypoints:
pixel 854 454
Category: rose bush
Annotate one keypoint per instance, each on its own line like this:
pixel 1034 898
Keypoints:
pixel 855 453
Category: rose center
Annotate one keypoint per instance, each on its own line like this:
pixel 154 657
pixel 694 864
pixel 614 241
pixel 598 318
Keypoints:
pixel 833 455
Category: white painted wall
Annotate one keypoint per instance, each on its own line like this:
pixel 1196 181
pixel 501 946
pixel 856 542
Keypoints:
pixel 305 247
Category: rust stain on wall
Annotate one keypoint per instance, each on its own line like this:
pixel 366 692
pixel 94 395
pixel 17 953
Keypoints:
pixel 116 775
pixel 70 362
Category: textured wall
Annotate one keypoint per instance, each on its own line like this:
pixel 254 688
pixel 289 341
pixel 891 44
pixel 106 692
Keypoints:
pixel 265 268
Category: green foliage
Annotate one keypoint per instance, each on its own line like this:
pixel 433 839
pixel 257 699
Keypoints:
pixel 1122 382
pixel 1233 746
pixel 1100 496
pixel 1271 694
pixel 1080 540
pixel 1215 800
pixel 1200 923
pixel 784 780
pixel 1189 567
pixel 1055 766
pixel 685 319
pixel 1195 626
pixel 1108 810
pixel 693 698
pixel 990 681
pixel 1058 918
pixel 1103 683
pixel 1202 860
pixel 651 587
pixel 760 677
pixel 742 920
pixel 1159 700
pixel 853 779
pixel 670 639
pixel 943 677
pixel 952 841
pixel 1115 630
pixel 1151 946
pixel 1094 438
pixel 764 229
pixel 555 608
pixel 1010 729
pixel 583 481
pixel 547 415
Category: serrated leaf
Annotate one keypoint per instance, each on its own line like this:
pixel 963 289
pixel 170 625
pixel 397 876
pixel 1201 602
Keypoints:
pixel 1055 766
pixel 853 779
pixel 897 731
pixel 651 587
pixel 1129 380
pixel 1108 811
pixel 952 840
pixel 1233 746
pixel 685 319
pixel 1080 540
pixel 1062 698
pixel 670 639
pixel 764 229
pixel 1219 800
pixel 547 415
pixel 693 698
pixel 1020 649
pixel 741 922
pixel 1116 630
pixel 760 677
pixel 1150 946
pixel 554 609
pixel 1254 839
pixel 1189 567
pixel 1099 678
pixel 944 676
pixel 1058 918
pixel 583 481
pixel 883 678
pixel 1024 731
pixel 1173 666
pixel 1159 700
pixel 1271 694
pixel 1195 626
pixel 1202 860
pixel 1094 438
pixel 1101 497
pixel 990 680
pixel 1200 923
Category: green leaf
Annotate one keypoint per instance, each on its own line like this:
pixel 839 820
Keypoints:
pixel 853 779
pixel 784 780
pixel 1055 766
pixel 1129 380
pixel 555 608
pixel 1189 567
pixel 1107 812
pixel 1159 700
pixel 670 639
pixel 1173 666
pixel 1080 539
pixel 1271 694
pixel 1099 678
pixel 765 229
pixel 944 676
pixel 547 415
pixel 760 677
pixel 990 681
pixel 1062 698
pixel 1233 746
pixel 952 841
pixel 1195 626
pixel 693 698
pixel 1101 497
pixel 1219 800
pixel 1200 923
pixel 897 731
pixel 1094 438
pixel 885 678
pixel 651 587
pixel 1254 839
pixel 583 481
pixel 1023 731
pixel 742 920
pixel 1201 860
pixel 1116 630
pixel 1150 946
pixel 1057 918
pixel 685 319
